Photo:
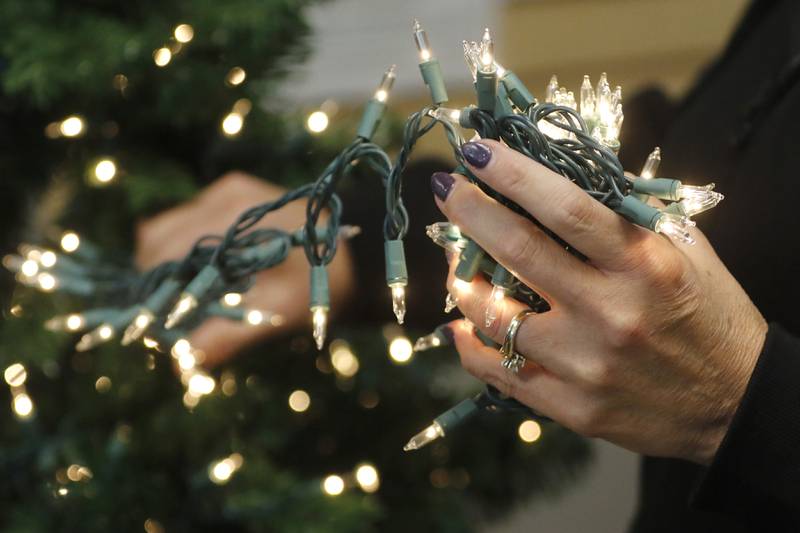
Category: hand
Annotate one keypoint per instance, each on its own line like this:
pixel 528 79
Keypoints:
pixel 283 289
pixel 649 344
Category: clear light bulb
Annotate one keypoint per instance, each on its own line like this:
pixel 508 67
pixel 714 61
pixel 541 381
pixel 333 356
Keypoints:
pixel 349 231
pixel 185 305
pixel 382 93
pixel 399 300
pixel 72 322
pixel 587 98
pixel 551 90
pixel 446 114
pixel 651 165
pixel 99 335
pixel 700 195
pixel 138 327
pixel 319 320
pixel 447 235
pixel 675 227
pixel 494 305
pixel 424 437
pixel 487 53
pixel 450 302
pixel 421 40
pixel 427 342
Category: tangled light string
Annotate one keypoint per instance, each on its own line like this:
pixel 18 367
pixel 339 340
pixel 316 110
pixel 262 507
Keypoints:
pixel 577 140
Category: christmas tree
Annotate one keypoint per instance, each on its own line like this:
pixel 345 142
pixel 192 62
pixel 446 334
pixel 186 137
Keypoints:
pixel 111 112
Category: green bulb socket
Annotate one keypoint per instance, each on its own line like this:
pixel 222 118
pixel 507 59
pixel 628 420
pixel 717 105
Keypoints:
pixel 432 76
pixel 320 295
pixel 232 313
pixel 373 112
pixel 457 415
pixel 124 317
pixel 465 117
pixel 488 265
pixel 639 212
pixel 394 253
pixel 502 106
pixel 469 262
pixel 675 208
pixel 202 282
pixel 157 302
pixel 663 188
pixel 486 87
pixel 502 277
pixel 517 92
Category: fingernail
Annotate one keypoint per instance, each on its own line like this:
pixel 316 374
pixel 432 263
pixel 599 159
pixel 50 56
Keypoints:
pixel 441 184
pixel 447 332
pixel 476 154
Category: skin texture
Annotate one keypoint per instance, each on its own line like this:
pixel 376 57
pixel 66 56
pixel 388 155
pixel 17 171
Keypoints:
pixel 650 344
pixel 283 289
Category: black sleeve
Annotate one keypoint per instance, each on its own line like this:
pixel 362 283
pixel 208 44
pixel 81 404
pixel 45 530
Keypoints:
pixel 755 474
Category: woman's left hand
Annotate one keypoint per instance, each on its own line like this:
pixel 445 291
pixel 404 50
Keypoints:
pixel 649 344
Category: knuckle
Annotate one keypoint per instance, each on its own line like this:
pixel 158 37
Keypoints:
pixel 587 420
pixel 520 248
pixel 625 327
pixel 577 211
pixel 596 374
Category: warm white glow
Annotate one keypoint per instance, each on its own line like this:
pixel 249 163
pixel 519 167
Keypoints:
pixel 70 241
pixel 462 286
pixel 236 76
pixel 23 405
pixel 424 55
pixel 105 170
pixel 401 350
pixel 381 95
pixel 254 317
pixel 343 359
pixel 103 384
pixel 201 384
pixel 15 375
pixel 367 478
pixel 333 485
pixel 29 268
pixel 399 300
pixel 48 259
pixel 317 122
pixel 187 361
pixel 529 431
pixel 71 126
pixel 299 401
pixel 162 57
pixel 47 282
pixel 319 320
pixel 105 332
pixel 181 347
pixel 232 299
pixel 74 322
pixel 150 343
pixel 232 124
pixel 183 33
pixel 221 471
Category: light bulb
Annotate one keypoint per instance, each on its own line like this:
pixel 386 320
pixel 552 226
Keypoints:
pixel 529 431
pixel 105 170
pixel 651 164
pixel 201 384
pixel 185 305
pixel 139 325
pixel 70 242
pixel 317 122
pixel 424 437
pixel 447 235
pixel 254 317
pixel 47 282
pixel 71 126
pixel 494 305
pixel 471 53
pixel 299 401
pixel 48 259
pixel 450 302
pixel 551 90
pixel 367 477
pixel 23 405
pixel 319 320
pixel 29 268
pixel 232 299
pixel 236 76
pixel 429 341
pixel 399 300
pixel 382 93
pixel 333 485
pixel 99 335
pixel 587 98
pixel 698 199
pixel 675 227
pixel 162 56
pixel 183 33
pixel 72 322
pixel 421 40
pixel 400 350
pixel 232 124
pixel 487 53
pixel 15 375
pixel 446 114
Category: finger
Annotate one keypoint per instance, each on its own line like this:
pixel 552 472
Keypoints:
pixel 534 339
pixel 553 200
pixel 533 386
pixel 514 241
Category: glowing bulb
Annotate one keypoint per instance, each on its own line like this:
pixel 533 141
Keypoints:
pixel 299 401
pixel 139 325
pixel 494 305
pixel 651 165
pixel 432 340
pixel 421 40
pixel 319 320
pixel 425 437
pixel 236 76
pixel 103 384
pixel 15 375
pixel 187 361
pixel 181 347
pixel 201 384
pixel 183 33
pixel 529 431
pixel 105 170
pixel 232 299
pixel 23 405
pixel 450 303
pixel 487 52
pixel 367 477
pixel 333 485
pixel 675 227
pixel 185 305
pixel 587 99
pixel 551 90
pixel 99 335
pixel 401 350
pixel 74 322
pixel 399 300
pixel 71 126
pixel 462 286
pixel 317 122
pixel 29 268
pixel 48 259
pixel 698 199
pixel 150 343
pixel 382 93
pixel 70 241
pixel 254 317
pixel 444 114
pixel 221 471
pixel 162 57
pixel 47 282
pixel 232 124
pixel 343 359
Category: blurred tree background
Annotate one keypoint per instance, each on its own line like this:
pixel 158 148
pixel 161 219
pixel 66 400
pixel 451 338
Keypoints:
pixel 111 111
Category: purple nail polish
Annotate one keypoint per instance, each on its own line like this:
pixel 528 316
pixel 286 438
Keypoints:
pixel 476 154
pixel 441 183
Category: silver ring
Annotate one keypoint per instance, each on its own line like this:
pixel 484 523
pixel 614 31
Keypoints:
pixel 513 361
